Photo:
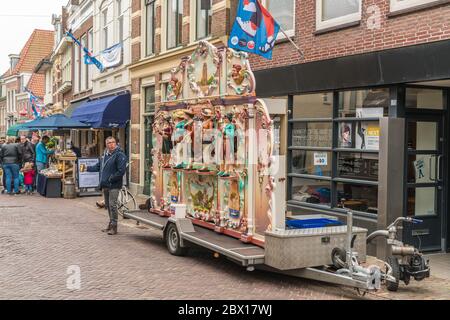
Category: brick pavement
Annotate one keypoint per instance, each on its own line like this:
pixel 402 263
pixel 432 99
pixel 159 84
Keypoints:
pixel 40 238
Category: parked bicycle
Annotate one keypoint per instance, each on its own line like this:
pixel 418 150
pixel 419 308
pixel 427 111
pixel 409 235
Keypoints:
pixel 125 201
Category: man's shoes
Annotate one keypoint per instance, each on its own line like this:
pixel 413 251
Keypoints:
pixel 108 228
pixel 113 230
pixel 100 204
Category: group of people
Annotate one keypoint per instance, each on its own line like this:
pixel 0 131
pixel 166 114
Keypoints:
pixel 23 157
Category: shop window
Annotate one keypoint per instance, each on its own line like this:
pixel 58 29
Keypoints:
pixel 422 201
pixel 312 134
pixel 333 13
pixel 419 98
pixel 361 166
pixel 150 99
pixel 311 191
pixel 283 12
pixel 174 23
pixel 311 162
pixel 319 105
pixel 372 103
pixel 422 135
pixel 398 5
pixel 204 14
pixel 150 27
pixel 363 198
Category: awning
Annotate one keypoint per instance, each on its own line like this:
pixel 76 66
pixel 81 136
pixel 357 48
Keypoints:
pixel 56 121
pixel 70 109
pixel 108 112
pixel 14 130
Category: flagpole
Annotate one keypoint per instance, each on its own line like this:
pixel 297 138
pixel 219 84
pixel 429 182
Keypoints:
pixel 293 43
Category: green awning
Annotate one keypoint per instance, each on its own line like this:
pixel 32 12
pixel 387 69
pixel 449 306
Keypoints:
pixel 13 131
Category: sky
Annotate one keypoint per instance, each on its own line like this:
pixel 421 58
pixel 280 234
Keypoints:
pixel 18 19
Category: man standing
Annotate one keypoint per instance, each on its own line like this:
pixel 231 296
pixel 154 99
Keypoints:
pixel 112 168
pixel 26 149
pixel 11 160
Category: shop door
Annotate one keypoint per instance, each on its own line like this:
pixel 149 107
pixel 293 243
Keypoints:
pixel 425 185
pixel 147 152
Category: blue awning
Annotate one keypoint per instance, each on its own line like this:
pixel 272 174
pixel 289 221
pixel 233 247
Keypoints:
pixel 108 112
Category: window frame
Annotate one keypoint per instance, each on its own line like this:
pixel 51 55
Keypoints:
pixel 90 69
pixel 178 32
pixel 335 22
pixel 83 66
pixel 105 25
pixel 149 4
pixel 290 32
pixel 335 178
pixel 120 21
pixel 207 21
pixel 396 5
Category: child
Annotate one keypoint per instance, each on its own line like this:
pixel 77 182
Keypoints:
pixel 28 173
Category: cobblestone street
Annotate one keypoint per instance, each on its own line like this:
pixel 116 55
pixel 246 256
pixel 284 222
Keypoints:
pixel 41 238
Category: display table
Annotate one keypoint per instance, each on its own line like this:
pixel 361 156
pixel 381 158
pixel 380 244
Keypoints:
pixel 66 165
pixel 49 187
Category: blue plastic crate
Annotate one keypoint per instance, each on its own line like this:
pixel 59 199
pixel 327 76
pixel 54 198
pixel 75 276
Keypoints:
pixel 312 223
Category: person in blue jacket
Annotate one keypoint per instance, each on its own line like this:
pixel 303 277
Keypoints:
pixel 112 168
pixel 42 154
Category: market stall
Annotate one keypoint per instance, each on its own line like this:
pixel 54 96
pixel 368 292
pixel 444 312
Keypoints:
pixel 52 182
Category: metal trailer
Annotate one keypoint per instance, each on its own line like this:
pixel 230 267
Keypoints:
pixel 178 233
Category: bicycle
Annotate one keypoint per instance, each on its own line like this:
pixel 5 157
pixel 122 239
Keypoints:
pixel 125 201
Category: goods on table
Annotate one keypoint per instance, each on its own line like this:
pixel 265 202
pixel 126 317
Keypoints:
pixel 52 172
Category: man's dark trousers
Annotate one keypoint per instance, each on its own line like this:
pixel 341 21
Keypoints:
pixel 111 196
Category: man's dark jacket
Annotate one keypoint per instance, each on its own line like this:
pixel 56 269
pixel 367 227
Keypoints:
pixel 112 168
pixel 27 150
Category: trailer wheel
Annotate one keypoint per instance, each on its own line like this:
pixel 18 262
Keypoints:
pixel 393 262
pixel 173 241
pixel 338 257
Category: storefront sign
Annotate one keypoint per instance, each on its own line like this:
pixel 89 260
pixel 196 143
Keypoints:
pixel 320 159
pixel 87 179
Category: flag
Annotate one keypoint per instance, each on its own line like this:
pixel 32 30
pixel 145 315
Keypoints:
pixel 254 30
pixel 112 56
pixel 88 57
pixel 35 106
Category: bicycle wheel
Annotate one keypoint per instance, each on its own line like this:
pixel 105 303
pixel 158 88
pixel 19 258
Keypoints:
pixel 126 202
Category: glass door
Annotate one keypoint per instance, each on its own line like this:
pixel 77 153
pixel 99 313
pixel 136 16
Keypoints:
pixel 424 184
pixel 148 121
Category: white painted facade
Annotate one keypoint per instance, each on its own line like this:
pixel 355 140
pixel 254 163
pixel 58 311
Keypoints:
pixel 107 31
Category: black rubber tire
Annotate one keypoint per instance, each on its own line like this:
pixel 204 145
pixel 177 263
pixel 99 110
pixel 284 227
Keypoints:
pixel 172 238
pixel 393 262
pixel 341 254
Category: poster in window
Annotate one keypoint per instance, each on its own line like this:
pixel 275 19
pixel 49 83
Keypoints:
pixel 367 135
pixel 345 135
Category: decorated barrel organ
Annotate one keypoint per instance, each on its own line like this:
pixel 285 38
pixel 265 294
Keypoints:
pixel 212 146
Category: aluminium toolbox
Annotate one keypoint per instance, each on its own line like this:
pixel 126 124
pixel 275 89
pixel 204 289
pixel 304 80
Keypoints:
pixel 304 248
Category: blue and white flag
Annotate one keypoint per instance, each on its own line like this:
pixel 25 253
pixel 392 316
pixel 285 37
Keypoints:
pixel 111 57
pixel 254 30
pixel 88 57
